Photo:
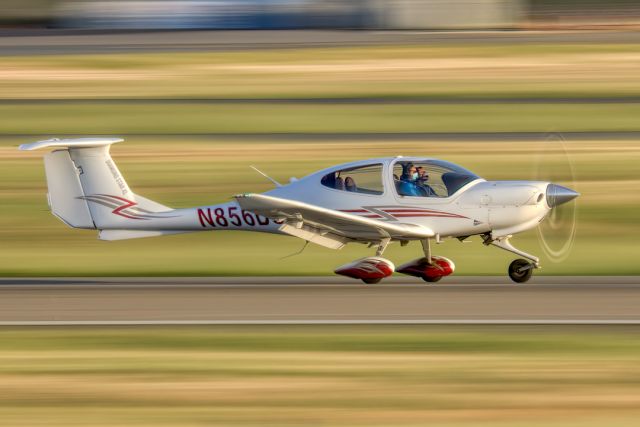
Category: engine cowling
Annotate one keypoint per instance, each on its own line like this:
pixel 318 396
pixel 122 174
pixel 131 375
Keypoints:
pixel 369 269
pixel 439 267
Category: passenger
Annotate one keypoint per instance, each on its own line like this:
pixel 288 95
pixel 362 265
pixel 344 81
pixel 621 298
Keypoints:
pixel 350 184
pixel 423 177
pixel 339 183
pixel 422 174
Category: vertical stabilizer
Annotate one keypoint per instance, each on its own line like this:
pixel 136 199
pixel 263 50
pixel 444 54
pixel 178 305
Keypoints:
pixel 103 186
pixel 86 189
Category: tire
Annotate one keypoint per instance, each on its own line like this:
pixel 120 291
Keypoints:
pixel 371 281
pixel 520 276
pixel 431 279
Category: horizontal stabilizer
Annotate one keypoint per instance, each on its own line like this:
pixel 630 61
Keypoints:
pixel 70 143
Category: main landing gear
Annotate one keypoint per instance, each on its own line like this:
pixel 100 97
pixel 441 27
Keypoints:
pixel 370 270
pixel 520 270
pixel 430 268
pixel 373 269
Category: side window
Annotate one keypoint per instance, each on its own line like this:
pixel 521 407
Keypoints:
pixel 431 178
pixel 361 179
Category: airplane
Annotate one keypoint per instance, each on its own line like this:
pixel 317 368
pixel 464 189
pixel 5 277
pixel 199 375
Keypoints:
pixel 373 202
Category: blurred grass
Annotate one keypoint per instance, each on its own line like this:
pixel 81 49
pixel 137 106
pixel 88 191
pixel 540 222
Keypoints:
pixel 330 376
pixel 191 171
pixel 508 70
pixel 185 118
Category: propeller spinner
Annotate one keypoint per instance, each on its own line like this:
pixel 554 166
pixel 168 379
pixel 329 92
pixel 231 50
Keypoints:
pixel 557 231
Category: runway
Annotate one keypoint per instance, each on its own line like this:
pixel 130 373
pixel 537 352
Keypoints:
pixel 332 300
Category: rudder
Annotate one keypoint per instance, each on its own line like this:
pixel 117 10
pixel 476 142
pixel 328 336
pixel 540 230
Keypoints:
pixel 65 194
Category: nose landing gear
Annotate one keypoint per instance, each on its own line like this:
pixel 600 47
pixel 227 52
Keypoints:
pixel 520 270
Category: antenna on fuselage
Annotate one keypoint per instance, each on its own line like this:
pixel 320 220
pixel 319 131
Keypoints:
pixel 306 242
pixel 266 176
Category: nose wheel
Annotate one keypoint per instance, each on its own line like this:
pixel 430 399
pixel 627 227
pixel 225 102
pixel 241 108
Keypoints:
pixel 521 270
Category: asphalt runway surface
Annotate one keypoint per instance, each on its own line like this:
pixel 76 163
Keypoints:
pixel 52 41
pixel 323 300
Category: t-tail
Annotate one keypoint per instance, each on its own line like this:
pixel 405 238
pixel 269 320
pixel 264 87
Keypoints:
pixel 86 190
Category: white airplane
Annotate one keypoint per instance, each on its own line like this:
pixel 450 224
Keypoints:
pixel 374 202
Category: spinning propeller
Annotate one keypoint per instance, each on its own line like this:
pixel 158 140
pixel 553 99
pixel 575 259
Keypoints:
pixel 556 233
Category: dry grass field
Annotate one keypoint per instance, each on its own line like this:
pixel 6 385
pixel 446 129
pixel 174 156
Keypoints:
pixel 328 376
pixel 511 70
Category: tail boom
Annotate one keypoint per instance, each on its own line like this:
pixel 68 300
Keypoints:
pixel 86 190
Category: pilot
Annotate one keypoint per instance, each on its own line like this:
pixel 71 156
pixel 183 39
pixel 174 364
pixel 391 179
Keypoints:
pixel 408 181
pixel 409 173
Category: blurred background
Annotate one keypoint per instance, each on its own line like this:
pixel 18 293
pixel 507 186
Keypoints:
pixel 511 89
pixel 203 89
pixel 328 14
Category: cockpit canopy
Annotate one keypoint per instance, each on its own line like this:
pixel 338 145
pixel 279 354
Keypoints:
pixel 414 178
pixel 429 178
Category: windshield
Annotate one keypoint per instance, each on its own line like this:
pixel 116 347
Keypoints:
pixel 430 178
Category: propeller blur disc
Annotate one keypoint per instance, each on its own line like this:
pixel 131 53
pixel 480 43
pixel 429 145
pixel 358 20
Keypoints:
pixel 556 233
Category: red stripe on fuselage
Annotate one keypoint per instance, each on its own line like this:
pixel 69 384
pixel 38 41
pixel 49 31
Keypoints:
pixel 441 215
pixel 404 213
pixel 412 210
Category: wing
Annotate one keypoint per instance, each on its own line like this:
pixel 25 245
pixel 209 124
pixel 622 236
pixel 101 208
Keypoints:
pixel 327 227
